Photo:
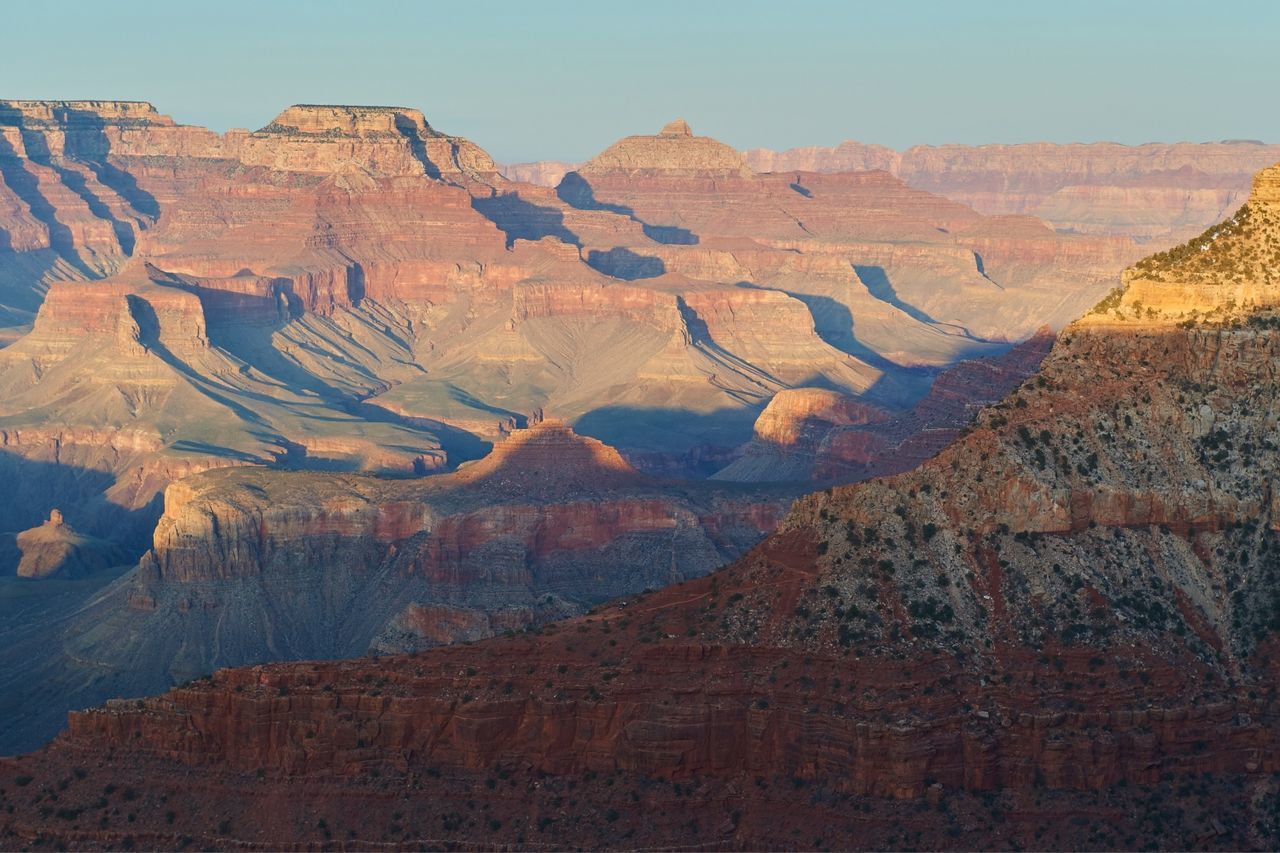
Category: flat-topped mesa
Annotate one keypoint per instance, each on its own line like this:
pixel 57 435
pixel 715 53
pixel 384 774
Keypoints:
pixel 390 141
pixel 92 132
pixel 338 120
pixel 15 113
pixel 1229 271
pixel 127 315
pixel 674 150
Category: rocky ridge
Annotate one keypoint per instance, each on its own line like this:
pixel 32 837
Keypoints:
pixel 1157 193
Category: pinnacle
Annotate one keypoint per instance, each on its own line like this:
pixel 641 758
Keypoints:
pixel 679 127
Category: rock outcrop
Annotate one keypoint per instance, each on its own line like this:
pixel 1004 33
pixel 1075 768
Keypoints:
pixel 1228 272
pixel 1061 631
pixel 816 435
pixel 789 432
pixel 56 549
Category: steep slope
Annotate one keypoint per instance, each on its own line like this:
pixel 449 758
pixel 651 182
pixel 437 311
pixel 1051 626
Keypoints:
pixel 1060 632
pixel 67 212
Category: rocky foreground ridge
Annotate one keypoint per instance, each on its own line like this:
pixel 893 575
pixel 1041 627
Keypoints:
pixel 1059 632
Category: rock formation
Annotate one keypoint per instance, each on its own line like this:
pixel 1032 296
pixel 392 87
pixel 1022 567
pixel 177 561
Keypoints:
pixel 673 150
pixel 1231 271
pixel 54 548
pixel 824 437
pixel 1059 632
pixel 790 430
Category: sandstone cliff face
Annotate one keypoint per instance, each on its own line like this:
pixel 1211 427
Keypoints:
pixel 1228 272
pixel 1069 610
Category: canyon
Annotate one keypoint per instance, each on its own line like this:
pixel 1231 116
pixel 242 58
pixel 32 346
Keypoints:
pixel 1059 631
pixel 338 387
pixel 249 371
pixel 350 289
pixel 249 564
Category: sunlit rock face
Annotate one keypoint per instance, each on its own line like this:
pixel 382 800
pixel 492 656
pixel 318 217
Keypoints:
pixel 1230 271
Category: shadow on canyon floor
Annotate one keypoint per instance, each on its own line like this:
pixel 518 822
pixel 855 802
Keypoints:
pixel 624 264
pixel 878 285
pixel 575 191
pixel 524 220
pixel 661 433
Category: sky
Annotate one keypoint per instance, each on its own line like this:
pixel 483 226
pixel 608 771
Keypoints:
pixel 550 79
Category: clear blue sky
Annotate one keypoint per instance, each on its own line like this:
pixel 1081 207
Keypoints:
pixel 550 79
